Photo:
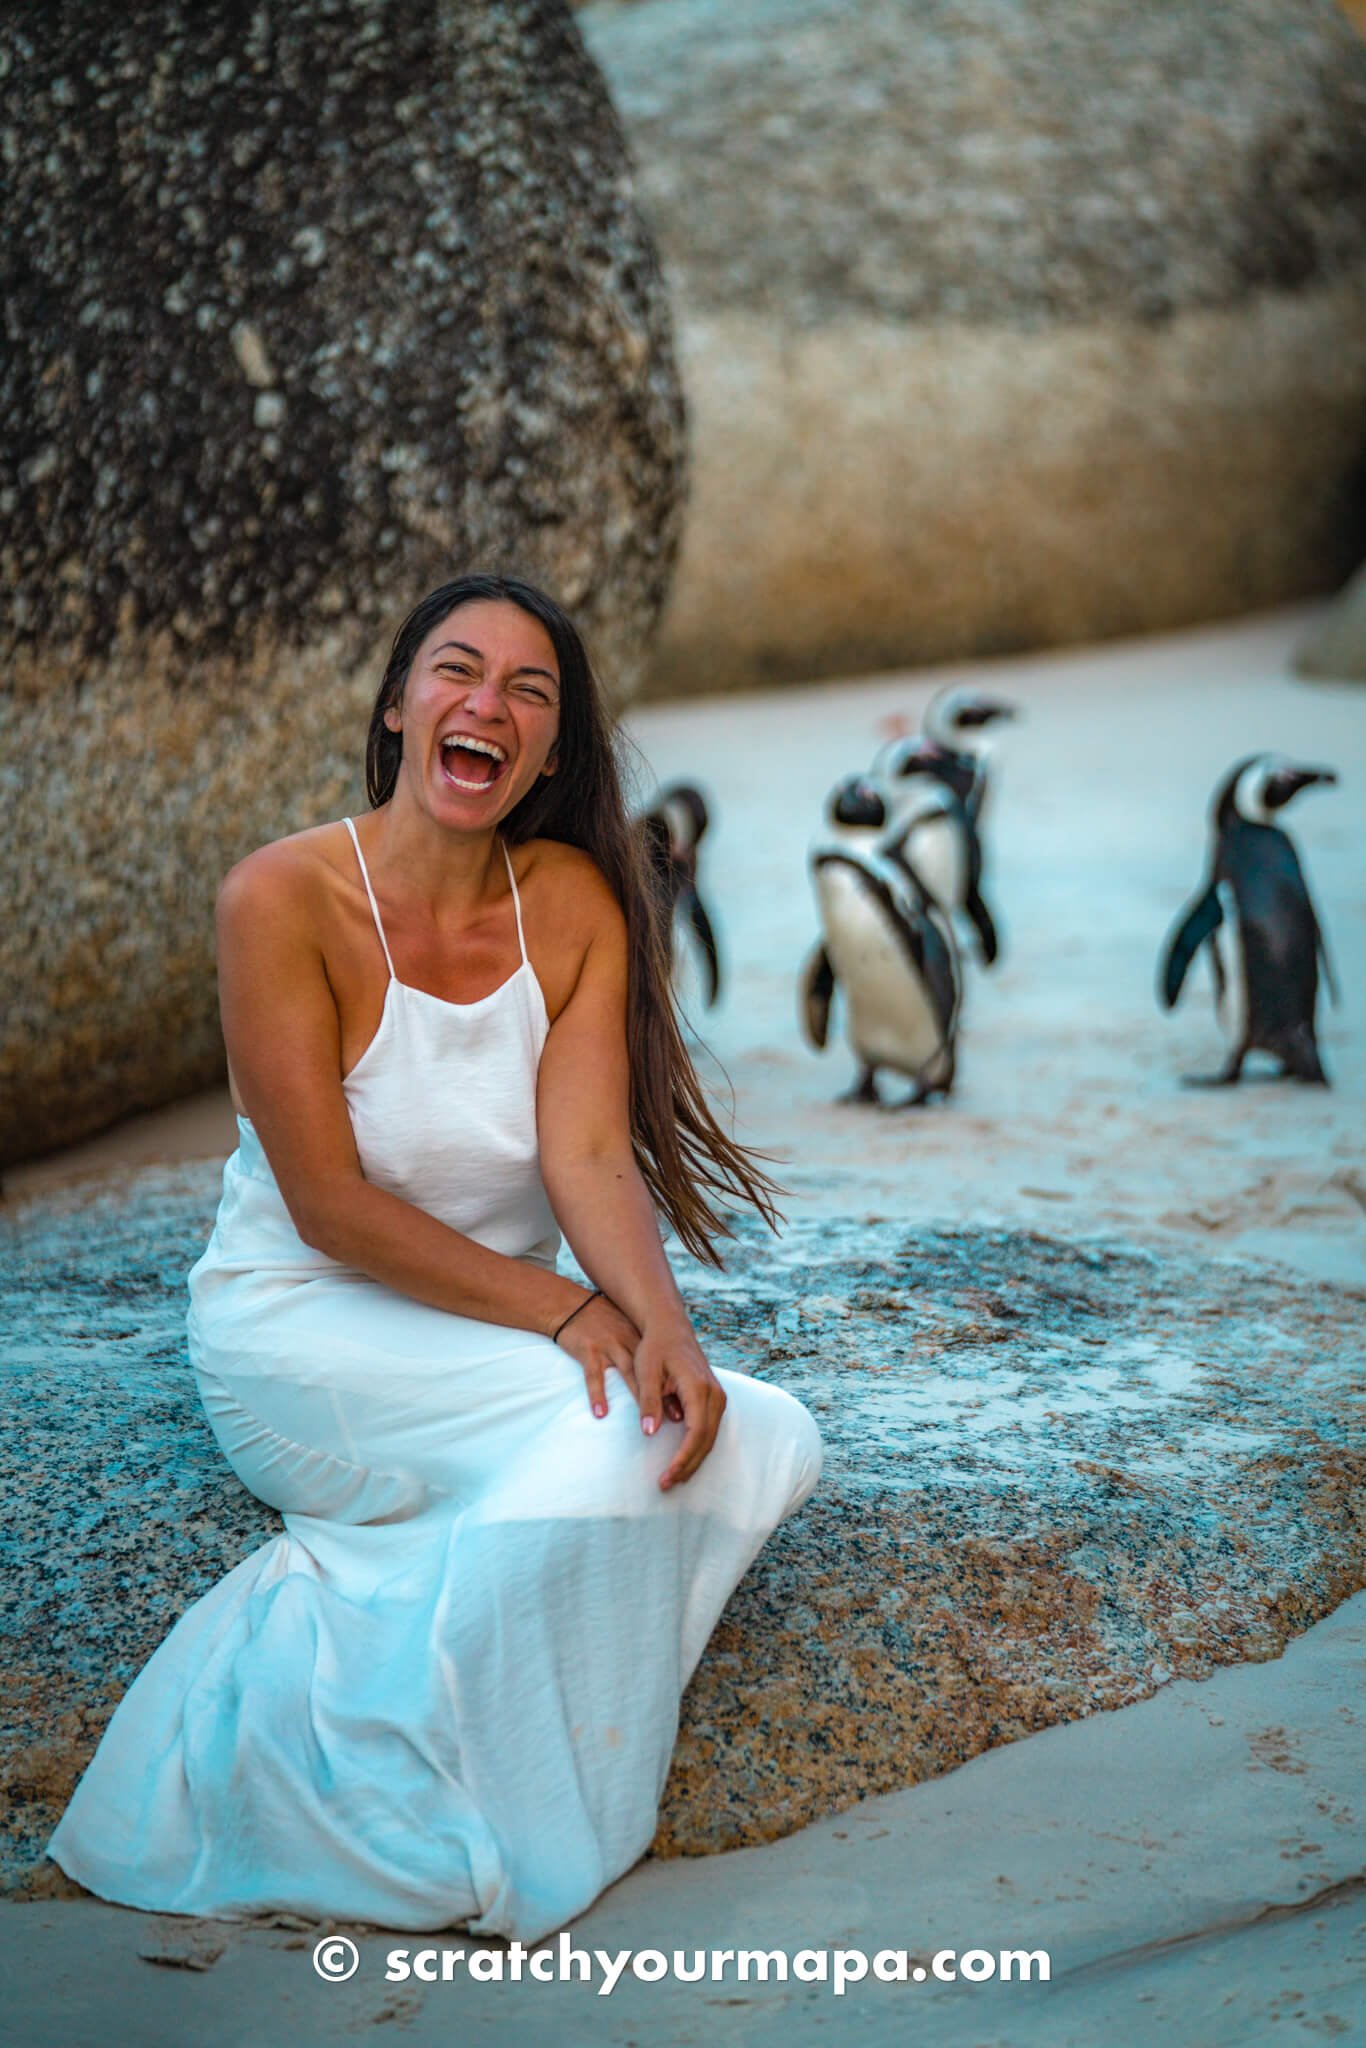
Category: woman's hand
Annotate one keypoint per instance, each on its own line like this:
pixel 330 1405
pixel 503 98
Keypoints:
pixel 674 1380
pixel 598 1335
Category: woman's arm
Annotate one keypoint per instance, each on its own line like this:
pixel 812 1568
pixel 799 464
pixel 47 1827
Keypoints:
pixel 283 1036
pixel 600 1199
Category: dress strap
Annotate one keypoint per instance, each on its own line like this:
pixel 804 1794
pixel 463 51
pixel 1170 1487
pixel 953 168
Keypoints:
pixel 516 899
pixel 365 876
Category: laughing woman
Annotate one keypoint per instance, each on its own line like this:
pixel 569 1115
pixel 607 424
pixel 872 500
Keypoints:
pixel 514 1507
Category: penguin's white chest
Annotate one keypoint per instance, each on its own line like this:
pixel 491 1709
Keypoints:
pixel 934 848
pixel 1230 1004
pixel 890 1018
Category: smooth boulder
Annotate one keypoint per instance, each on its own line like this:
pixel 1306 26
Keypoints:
pixel 1001 326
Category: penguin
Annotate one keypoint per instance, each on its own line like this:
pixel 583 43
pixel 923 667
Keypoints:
pixel 937 833
pixel 956 725
pixel 891 948
pixel 1266 991
pixel 673 827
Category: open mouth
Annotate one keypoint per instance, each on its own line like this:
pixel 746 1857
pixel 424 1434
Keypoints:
pixel 472 764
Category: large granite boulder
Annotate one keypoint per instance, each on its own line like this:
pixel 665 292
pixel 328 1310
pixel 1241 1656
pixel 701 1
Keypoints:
pixel 1001 326
pixel 308 309
pixel 1057 1474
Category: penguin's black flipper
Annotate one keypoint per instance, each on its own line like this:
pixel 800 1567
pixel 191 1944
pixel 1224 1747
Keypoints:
pixel 817 989
pixel 1200 917
pixel 691 903
pixel 973 901
pixel 940 979
pixel 982 921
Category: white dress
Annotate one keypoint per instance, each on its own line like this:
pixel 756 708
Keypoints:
pixel 446 1694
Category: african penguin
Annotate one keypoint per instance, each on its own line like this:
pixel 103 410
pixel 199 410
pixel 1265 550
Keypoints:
pixel 938 836
pixel 673 826
pixel 957 725
pixel 889 947
pixel 1257 902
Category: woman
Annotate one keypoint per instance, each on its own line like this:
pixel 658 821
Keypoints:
pixel 514 1507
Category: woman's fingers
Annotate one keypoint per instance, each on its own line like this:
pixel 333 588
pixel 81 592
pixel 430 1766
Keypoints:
pixel 602 1336
pixel 674 1383
pixel 650 1387
pixel 703 1405
pixel 594 1374
pixel 625 1364
pixel 595 1369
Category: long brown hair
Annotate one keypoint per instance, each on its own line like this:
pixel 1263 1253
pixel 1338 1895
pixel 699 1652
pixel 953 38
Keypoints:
pixel 681 1151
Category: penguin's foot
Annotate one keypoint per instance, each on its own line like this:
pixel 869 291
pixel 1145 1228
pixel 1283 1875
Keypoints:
pixel 1227 1074
pixel 1300 1060
pixel 863 1090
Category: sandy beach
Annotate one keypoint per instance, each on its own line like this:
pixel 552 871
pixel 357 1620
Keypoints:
pixel 1194 1863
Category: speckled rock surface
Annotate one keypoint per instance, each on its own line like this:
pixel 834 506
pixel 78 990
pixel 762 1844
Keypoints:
pixel 1057 1474
pixel 1001 326
pixel 309 309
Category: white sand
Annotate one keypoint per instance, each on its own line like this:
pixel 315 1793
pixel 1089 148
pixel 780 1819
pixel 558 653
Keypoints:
pixel 1187 1815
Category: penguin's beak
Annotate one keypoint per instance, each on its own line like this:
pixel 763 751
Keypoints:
pixel 1288 783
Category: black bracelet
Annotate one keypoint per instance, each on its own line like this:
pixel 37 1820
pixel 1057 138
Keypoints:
pixel 574 1311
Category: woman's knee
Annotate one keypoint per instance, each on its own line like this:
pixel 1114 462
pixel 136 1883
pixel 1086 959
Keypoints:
pixel 294 1477
pixel 775 1421
pixel 804 1445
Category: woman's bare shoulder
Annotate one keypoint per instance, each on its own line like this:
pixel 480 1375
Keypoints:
pixel 572 884
pixel 289 874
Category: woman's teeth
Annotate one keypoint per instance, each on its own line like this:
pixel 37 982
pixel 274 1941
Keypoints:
pixel 489 748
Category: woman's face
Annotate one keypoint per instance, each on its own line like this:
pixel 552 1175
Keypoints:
pixel 487 675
